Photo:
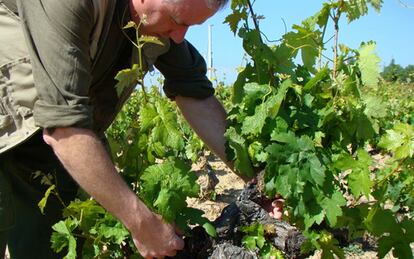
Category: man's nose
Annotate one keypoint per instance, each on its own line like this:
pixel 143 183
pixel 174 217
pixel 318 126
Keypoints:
pixel 178 34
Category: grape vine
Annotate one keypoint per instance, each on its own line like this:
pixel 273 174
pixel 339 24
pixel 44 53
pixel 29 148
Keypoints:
pixel 311 127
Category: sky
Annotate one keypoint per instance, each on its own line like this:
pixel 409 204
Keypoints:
pixel 392 30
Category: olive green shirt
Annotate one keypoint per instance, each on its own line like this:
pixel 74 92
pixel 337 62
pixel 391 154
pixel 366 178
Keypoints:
pixel 75 88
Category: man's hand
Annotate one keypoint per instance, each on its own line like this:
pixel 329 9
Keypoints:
pixel 156 239
pixel 275 208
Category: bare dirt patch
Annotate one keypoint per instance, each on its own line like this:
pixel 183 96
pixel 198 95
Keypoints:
pixel 226 191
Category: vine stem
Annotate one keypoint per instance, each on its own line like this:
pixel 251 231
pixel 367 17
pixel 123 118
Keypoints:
pixel 335 19
pixel 396 170
pixel 140 70
pixel 256 24
pixel 321 46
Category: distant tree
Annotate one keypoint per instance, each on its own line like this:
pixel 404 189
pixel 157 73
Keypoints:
pixel 408 76
pixel 393 72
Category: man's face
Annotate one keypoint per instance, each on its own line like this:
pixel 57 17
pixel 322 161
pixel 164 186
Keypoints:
pixel 167 19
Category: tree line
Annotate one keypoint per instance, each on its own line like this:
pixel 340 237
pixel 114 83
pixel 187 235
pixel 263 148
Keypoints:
pixel 396 73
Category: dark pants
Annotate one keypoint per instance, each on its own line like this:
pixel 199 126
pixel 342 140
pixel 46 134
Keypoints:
pixel 23 227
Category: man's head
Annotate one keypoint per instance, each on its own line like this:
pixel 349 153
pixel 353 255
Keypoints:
pixel 171 18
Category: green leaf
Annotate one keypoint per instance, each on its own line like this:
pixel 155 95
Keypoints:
pixel 385 244
pixel 130 24
pixel 374 107
pixel 237 144
pixel 282 137
pixel 364 127
pixel 210 229
pixel 282 184
pixel 322 75
pixel 166 186
pixel 332 206
pixel 150 39
pixel 249 242
pixel 359 180
pixel 113 230
pixel 408 225
pixel 399 140
pixel 274 103
pixel 317 170
pixel 234 19
pixel 323 15
pixel 158 119
pixel 267 109
pixel 315 214
pixel 360 183
pixel 381 221
pixel 239 85
pixel 356 8
pixel 43 201
pixel 127 78
pixel 254 236
pixel 368 63
pixel 403 250
pixel 168 204
pixel 306 40
pixel 330 246
pixel 63 237
pixel 254 124
pixel 260 241
pixel 148 117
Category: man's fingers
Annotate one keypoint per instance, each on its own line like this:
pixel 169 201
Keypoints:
pixel 278 203
pixel 178 243
pixel 277 209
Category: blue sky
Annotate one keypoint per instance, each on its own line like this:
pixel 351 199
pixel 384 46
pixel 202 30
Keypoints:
pixel 391 29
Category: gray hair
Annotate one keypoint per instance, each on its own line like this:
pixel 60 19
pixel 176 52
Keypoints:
pixel 212 4
pixel 216 4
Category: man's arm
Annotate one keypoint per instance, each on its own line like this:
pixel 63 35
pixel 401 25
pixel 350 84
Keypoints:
pixel 87 161
pixel 208 119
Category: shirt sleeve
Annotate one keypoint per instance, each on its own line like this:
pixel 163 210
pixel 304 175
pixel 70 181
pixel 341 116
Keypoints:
pixel 184 70
pixel 57 35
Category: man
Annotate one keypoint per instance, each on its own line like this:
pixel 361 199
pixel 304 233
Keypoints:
pixel 57 64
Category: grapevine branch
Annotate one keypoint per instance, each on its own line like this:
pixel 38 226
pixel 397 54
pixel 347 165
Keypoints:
pixel 138 45
pixel 335 19
pixel 256 26
pixel 254 17
pixel 321 45
pixel 396 170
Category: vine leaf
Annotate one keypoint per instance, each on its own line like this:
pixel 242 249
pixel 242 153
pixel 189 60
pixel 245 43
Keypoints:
pixel 166 186
pixel 368 63
pixel 356 8
pixel 306 39
pixel 333 206
pixel 234 19
pixel 236 143
pixel 127 78
pixel 63 237
pixel 399 140
pixel 43 201
pixel 359 181
pixel 149 39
